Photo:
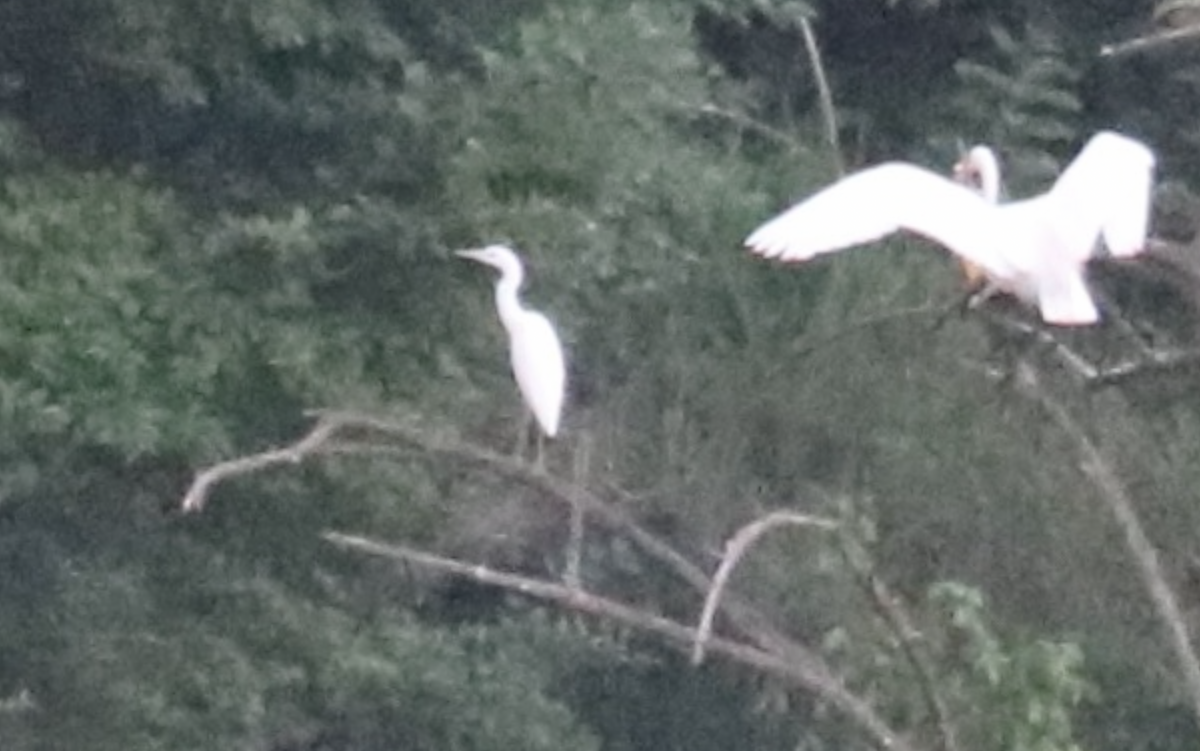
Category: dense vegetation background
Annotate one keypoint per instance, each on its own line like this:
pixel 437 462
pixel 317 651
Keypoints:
pixel 217 216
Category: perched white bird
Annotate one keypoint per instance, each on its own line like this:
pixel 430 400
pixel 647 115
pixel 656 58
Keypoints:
pixel 536 352
pixel 1035 249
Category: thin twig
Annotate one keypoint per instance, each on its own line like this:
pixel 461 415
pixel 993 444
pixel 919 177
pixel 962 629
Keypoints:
pixel 824 93
pixel 746 122
pixel 1158 361
pixel 573 564
pixel 1141 549
pixel 1072 360
pixel 1095 376
pixel 1145 43
pixel 805 345
pixel 676 634
pixel 735 549
pixel 896 618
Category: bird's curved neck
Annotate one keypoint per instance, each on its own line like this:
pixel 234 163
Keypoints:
pixel 508 300
pixel 989 176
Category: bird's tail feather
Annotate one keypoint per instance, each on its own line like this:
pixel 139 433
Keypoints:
pixel 1065 300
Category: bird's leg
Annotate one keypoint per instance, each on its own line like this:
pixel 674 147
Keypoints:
pixel 539 462
pixel 1012 340
pixel 525 423
pixel 977 294
pixel 987 291
pixel 959 307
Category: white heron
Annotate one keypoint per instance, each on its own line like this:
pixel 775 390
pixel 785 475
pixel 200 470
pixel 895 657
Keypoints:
pixel 536 353
pixel 1035 249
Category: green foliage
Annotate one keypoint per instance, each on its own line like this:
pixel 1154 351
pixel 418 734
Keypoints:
pixel 1021 95
pixel 1026 689
pixel 243 662
pixel 182 49
pixel 103 335
pixel 1001 691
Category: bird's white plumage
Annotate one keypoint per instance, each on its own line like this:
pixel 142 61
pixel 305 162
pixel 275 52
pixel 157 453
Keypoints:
pixel 540 370
pixel 876 202
pixel 1035 249
pixel 536 353
pixel 1107 187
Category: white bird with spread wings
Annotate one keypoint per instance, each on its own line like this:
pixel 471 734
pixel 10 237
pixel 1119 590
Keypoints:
pixel 1036 248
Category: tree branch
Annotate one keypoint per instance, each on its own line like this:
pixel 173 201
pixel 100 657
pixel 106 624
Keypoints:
pixel 1149 42
pixel 676 634
pixel 374 435
pixel 748 123
pixel 1141 549
pixel 205 479
pixel 1147 361
pixel 1160 361
pixel 1040 334
pixel 735 549
pixel 751 622
pixel 828 111
pixel 898 621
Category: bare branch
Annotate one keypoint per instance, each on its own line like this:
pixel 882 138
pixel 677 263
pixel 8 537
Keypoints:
pixel 573 555
pixel 374 436
pixel 1141 549
pixel 825 93
pixel 197 494
pixel 746 122
pixel 1156 361
pixel 1149 360
pixel 407 441
pixel 750 621
pixel 1149 42
pixel 676 634
pixel 735 549
pixel 808 344
pixel 1070 359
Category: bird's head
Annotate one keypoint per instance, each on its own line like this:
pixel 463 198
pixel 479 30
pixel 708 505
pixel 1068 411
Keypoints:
pixel 971 166
pixel 500 257
pixel 979 170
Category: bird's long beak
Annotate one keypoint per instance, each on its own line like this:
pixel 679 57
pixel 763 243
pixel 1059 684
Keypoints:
pixel 472 253
pixel 965 173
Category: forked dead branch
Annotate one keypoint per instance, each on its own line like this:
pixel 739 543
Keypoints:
pixel 735 549
pixel 754 641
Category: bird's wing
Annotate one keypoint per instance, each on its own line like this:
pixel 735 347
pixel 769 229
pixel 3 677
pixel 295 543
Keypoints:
pixel 880 200
pixel 1106 191
pixel 540 368
pixel 1128 219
